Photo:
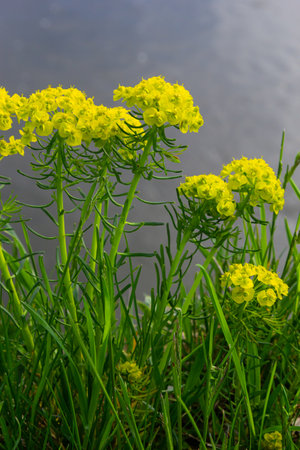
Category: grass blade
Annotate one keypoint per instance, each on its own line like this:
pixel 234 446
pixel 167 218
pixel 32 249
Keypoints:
pixel 229 339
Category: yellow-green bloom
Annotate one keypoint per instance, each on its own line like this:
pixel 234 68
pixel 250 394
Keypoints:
pixel 210 188
pixel 153 116
pixel 161 103
pixel 256 178
pixel 71 134
pixel 226 207
pixel 272 441
pixel 266 297
pixel 131 370
pixel 241 295
pixel 12 147
pixel 254 282
pixel 5 121
pixel 68 111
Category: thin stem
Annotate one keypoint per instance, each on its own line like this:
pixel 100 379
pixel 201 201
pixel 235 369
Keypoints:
pixel 20 313
pixel 62 236
pixel 263 237
pixel 94 247
pixel 130 196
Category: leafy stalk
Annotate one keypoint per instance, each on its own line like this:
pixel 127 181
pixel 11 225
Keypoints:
pixel 130 196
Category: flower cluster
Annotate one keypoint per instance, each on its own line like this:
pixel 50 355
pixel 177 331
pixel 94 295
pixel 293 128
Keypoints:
pixel 213 190
pixel 161 103
pixel 256 178
pixel 250 281
pixel 68 111
pixel 272 441
pixel 131 371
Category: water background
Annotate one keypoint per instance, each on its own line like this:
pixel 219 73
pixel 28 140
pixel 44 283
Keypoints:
pixel 239 59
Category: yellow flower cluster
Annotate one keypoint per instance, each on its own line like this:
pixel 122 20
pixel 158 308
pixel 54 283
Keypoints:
pixel 256 177
pixel 68 111
pixel 272 441
pixel 131 370
pixel 161 103
pixel 210 188
pixel 265 285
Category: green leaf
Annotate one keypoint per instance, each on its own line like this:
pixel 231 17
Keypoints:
pixel 230 342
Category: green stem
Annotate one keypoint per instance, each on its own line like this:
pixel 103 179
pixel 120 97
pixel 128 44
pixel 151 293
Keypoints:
pixel 94 246
pixel 20 313
pixel 130 196
pixel 96 230
pixel 94 251
pixel 197 280
pixel 254 242
pixel 62 237
pixel 263 237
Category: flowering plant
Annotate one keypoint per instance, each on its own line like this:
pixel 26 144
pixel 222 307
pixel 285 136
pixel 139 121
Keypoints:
pixel 85 363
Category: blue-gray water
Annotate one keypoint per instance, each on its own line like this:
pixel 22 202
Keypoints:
pixel 239 59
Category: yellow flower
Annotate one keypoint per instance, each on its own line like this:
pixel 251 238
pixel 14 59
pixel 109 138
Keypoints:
pixel 20 107
pixel 4 148
pixel 210 188
pixel 5 121
pixel 226 207
pixel 239 278
pixel 161 103
pixel 266 297
pixel 241 295
pixel 257 178
pixel 266 286
pixel 75 117
pixel 132 371
pixel 153 116
pixel 272 279
pixel 272 441
pixel 27 134
pixel 60 118
pixel 5 100
pixel 12 147
pixel 72 135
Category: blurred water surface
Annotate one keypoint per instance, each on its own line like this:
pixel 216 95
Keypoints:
pixel 239 60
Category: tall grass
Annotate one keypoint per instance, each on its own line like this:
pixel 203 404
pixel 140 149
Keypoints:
pixel 86 364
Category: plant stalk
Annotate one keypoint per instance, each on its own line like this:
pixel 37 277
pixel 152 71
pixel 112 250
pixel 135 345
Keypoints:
pixel 62 238
pixel 130 196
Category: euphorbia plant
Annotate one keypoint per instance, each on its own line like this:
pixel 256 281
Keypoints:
pixel 88 362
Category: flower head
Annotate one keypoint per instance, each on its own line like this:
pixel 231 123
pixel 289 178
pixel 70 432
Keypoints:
pixel 12 147
pixel 75 117
pixel 131 371
pixel 161 103
pixel 256 178
pixel 254 282
pixel 213 190
pixel 272 441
